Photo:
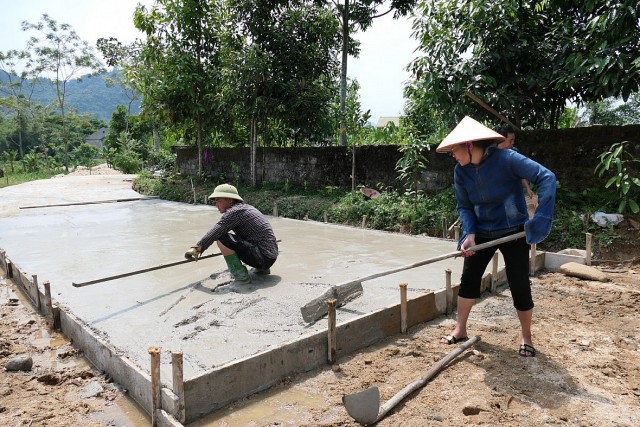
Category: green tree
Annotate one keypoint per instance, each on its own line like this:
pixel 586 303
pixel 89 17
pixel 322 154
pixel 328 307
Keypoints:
pixel 63 54
pixel 525 59
pixel 87 155
pixel 354 16
pixel 182 59
pixel 620 162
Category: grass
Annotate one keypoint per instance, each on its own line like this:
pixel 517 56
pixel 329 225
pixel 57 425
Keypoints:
pixel 13 178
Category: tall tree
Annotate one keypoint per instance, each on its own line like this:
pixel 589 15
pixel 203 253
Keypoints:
pixel 525 59
pixel 358 15
pixel 17 85
pixel 62 54
pixel 181 61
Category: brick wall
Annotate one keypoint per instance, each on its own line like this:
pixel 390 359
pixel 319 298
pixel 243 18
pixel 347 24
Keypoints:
pixel 571 153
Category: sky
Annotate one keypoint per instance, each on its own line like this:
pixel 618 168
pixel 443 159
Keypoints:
pixel 386 49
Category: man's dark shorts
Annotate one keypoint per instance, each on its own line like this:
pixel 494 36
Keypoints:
pixel 247 252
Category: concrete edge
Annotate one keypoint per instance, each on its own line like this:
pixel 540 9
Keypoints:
pixel 98 352
pixel 241 378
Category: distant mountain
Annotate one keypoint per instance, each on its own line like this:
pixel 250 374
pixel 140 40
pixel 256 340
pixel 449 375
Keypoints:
pixel 88 95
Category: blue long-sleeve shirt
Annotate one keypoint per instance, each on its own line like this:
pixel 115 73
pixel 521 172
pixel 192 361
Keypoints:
pixel 490 200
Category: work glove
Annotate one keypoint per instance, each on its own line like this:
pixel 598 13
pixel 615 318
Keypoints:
pixel 192 254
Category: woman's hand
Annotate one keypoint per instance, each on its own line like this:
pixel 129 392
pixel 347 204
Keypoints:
pixel 468 242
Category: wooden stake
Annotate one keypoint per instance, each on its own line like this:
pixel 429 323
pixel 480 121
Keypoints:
pixel 403 308
pixel 588 248
pixel 49 304
pixel 494 273
pixel 155 385
pixel 326 218
pixel 178 383
pixel 456 233
pixel 36 300
pixel 364 221
pixel 275 210
pixel 9 269
pixel 331 330
pixel 444 227
pixel 449 291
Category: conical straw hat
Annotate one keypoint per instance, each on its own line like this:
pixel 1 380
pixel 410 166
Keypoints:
pixel 466 131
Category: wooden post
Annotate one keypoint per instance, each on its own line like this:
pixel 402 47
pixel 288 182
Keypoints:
pixel 444 227
pixel 48 303
pixel 456 233
pixel 364 221
pixel 9 269
pixel 178 383
pixel 588 249
pixel 155 385
pixel 331 330
pixel 532 262
pixel 449 291
pixel 326 218
pixel 403 308
pixel 494 273
pixel 275 210
pixel 36 300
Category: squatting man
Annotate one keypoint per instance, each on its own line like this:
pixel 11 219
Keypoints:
pixel 242 234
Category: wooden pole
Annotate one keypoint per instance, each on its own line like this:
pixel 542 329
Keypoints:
pixel 456 233
pixel 364 221
pixel 449 291
pixel 9 269
pixel 178 383
pixel 588 249
pixel 494 273
pixel 49 304
pixel 331 330
pixel 444 227
pixel 36 300
pixel 403 308
pixel 326 218
pixel 491 110
pixel 156 402
pixel 275 210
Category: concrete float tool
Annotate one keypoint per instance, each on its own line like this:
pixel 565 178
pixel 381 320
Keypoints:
pixel 144 270
pixel 364 406
pixel 352 289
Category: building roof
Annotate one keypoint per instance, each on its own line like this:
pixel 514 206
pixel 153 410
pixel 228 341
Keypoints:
pixel 383 121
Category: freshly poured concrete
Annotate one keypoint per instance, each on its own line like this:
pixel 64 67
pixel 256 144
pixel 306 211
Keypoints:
pixel 175 308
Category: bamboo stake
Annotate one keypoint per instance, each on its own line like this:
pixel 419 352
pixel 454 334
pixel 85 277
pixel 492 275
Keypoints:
pixel 448 291
pixel 49 304
pixel 34 277
pixel 177 363
pixel 156 404
pixel 403 308
pixel 331 330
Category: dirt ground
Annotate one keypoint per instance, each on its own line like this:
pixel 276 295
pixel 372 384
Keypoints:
pixel 586 372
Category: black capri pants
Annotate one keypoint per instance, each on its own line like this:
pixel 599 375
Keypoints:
pixel 516 259
pixel 247 252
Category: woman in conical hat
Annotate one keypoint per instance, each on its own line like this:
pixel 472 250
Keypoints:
pixel 491 204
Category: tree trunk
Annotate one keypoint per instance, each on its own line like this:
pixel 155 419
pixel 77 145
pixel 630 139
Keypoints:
pixel 343 73
pixel 156 139
pixel 254 145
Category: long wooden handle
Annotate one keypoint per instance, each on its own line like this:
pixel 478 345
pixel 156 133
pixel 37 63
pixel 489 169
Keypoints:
pixel 440 257
pixel 410 388
pixel 145 270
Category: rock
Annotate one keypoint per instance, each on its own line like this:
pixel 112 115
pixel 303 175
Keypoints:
pixel 583 271
pixel 92 389
pixel 20 363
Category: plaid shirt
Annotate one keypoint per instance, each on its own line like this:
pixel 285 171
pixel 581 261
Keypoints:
pixel 247 223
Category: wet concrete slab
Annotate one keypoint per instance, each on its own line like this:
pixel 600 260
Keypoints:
pixel 181 309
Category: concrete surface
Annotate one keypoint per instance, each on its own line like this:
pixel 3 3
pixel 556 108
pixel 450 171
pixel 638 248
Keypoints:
pixel 176 308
